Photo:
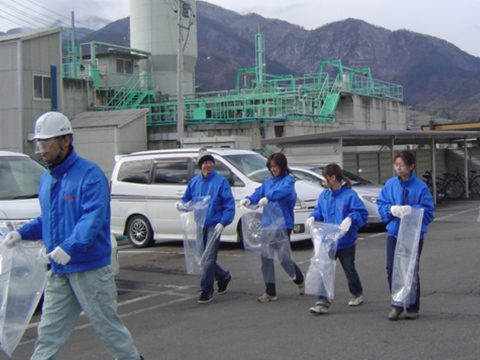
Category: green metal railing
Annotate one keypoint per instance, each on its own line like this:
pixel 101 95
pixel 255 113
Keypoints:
pixel 260 96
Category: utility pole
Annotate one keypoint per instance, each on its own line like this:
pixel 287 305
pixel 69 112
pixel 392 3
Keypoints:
pixel 180 119
pixel 73 49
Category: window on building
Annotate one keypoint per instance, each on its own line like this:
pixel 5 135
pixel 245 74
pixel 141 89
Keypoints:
pixel 42 87
pixel 124 66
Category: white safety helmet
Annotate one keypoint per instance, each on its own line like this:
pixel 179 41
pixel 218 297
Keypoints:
pixel 52 124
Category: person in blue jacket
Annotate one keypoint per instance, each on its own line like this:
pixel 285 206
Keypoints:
pixel 339 204
pixel 220 213
pixel 75 228
pixel 280 188
pixel 396 199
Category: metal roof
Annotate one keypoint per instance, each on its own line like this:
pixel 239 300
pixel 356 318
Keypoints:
pixel 29 34
pixel 117 118
pixel 374 137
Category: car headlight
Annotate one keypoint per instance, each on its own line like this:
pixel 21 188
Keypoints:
pixel 298 229
pixel 300 205
pixel 7 226
pixel 370 199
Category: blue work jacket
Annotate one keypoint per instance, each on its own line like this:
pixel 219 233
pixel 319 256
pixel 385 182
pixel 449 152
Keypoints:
pixel 221 208
pixel 413 192
pixel 334 206
pixel 281 189
pixel 75 203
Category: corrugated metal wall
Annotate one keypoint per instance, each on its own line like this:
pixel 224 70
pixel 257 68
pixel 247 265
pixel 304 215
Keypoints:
pixel 377 165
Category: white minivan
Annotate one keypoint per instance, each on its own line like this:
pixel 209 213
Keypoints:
pixel 146 185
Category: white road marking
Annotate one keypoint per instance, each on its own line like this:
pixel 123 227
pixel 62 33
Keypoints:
pixel 183 297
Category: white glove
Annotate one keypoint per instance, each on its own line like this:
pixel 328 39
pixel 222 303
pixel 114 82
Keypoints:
pixel 309 222
pixel 180 206
pixel 12 238
pixel 245 202
pixel 218 231
pixel 59 256
pixel 407 210
pixel 400 210
pixel 345 225
pixel 263 202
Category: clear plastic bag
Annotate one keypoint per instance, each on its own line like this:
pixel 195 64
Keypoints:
pixel 405 264
pixel 320 279
pixel 267 247
pixel 23 275
pixel 193 219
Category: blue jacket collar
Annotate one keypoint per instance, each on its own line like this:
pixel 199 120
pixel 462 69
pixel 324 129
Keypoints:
pixel 209 176
pixel 410 180
pixel 65 165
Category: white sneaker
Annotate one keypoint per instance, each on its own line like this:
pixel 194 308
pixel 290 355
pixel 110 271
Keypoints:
pixel 319 309
pixel 355 300
pixel 267 297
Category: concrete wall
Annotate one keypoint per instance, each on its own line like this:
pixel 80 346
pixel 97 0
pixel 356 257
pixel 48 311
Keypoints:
pixel 455 158
pixel 132 137
pixel 75 99
pixel 234 142
pixel 100 144
pixel 367 113
pixel 97 145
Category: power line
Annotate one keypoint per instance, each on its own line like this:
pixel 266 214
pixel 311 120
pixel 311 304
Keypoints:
pixel 66 17
pixel 27 20
pixel 24 14
pixel 43 15
pixel 12 21
pixel 22 20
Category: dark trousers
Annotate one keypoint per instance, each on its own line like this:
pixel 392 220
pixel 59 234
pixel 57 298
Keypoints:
pixel 391 245
pixel 287 263
pixel 347 260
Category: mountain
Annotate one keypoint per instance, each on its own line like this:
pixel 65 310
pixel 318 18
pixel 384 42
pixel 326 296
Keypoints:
pixel 438 78
pixel 13 31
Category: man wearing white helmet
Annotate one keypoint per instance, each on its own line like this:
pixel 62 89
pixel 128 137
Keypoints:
pixel 75 227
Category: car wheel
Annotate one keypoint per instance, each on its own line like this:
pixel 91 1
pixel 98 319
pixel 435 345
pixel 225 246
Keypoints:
pixel 140 232
pixel 252 234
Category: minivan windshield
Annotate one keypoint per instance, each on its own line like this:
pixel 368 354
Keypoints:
pixel 253 166
pixel 19 177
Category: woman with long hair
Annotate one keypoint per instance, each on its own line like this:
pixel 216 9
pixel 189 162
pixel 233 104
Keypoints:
pixel 279 188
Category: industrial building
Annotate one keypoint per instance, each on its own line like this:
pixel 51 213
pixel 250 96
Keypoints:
pixel 94 83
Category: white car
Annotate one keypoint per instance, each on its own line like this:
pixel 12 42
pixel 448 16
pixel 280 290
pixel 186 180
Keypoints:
pixel 146 185
pixel 367 190
pixel 19 179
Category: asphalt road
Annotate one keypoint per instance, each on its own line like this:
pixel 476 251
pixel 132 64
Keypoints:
pixel 158 303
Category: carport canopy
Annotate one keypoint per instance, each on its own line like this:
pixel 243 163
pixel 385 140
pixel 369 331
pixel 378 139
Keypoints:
pixel 388 138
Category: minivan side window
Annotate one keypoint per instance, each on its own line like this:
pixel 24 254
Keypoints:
pixel 173 172
pixel 137 171
pixel 221 169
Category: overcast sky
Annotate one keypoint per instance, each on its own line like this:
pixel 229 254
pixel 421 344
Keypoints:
pixel 454 21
